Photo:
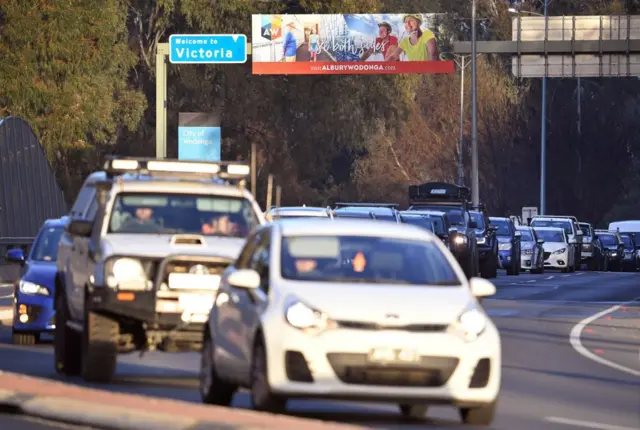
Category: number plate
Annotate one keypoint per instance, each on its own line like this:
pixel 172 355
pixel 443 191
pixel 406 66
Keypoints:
pixel 397 356
pixel 189 281
pixel 196 303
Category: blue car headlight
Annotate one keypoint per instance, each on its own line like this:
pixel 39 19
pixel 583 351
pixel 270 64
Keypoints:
pixel 504 246
pixel 27 287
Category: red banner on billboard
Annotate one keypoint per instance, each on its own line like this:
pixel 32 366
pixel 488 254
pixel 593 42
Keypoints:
pixel 346 44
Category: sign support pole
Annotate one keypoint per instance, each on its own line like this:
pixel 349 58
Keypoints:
pixel 162 53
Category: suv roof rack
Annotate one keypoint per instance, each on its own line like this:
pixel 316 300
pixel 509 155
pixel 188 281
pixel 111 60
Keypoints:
pixel 367 205
pixel 431 192
pixel 225 170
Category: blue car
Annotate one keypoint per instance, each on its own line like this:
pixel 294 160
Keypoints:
pixel 34 292
pixel 509 244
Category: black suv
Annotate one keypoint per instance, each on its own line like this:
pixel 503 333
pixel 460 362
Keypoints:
pixel 487 243
pixel 454 201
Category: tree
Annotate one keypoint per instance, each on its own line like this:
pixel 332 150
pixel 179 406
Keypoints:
pixel 65 69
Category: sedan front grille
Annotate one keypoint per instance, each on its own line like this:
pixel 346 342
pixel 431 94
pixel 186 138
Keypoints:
pixel 415 328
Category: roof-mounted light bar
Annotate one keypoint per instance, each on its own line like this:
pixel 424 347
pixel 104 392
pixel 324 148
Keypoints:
pixel 229 170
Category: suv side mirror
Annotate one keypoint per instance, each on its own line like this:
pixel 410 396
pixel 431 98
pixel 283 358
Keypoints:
pixel 15 255
pixel 540 241
pixel 517 234
pixel 579 233
pixel 473 224
pixel 80 227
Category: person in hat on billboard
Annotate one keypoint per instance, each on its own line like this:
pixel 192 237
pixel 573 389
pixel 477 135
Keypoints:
pixel 385 43
pixel 419 45
pixel 290 46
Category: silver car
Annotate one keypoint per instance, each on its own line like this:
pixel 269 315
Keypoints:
pixel 532 257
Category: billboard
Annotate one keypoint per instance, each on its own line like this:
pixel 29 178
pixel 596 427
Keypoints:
pixel 346 44
pixel 199 136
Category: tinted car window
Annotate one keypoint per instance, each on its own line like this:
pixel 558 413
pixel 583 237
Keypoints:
pixel 628 244
pixel 357 259
pixel 502 227
pixel 550 235
pixel 608 239
pixel 565 225
pixel 526 236
pixel 46 248
pixel 479 219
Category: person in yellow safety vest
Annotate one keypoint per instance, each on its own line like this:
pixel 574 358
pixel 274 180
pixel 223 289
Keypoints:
pixel 419 45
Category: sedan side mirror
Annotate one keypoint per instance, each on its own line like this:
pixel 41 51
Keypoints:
pixel 540 241
pixel 481 287
pixel 15 255
pixel 247 279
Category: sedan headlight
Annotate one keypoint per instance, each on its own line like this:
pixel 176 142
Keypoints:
pixel 27 287
pixel 560 251
pixel 527 251
pixel 504 246
pixel 126 273
pixel 305 318
pixel 471 324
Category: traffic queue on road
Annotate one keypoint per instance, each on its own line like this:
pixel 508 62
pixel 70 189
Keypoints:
pixel 300 302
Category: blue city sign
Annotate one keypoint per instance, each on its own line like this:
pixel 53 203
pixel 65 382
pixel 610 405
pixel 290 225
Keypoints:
pixel 207 48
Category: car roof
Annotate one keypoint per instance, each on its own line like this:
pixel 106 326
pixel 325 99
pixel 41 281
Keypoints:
pixel 570 217
pixel 347 227
pixel 310 211
pixel 374 209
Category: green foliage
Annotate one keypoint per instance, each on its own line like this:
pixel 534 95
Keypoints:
pixel 65 68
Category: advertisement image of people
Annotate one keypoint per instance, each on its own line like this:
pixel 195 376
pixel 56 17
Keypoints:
pixel 346 44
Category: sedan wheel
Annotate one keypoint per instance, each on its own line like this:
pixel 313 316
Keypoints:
pixel 213 390
pixel 261 396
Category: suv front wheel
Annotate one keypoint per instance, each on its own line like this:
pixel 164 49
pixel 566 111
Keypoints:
pixel 99 348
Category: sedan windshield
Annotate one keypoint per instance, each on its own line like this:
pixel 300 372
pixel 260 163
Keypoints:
pixel 565 225
pixel 479 219
pixel 502 227
pixel 46 248
pixel 454 213
pixel 177 213
pixel 608 240
pixel 550 235
pixel 526 236
pixel 361 259
pixel 419 221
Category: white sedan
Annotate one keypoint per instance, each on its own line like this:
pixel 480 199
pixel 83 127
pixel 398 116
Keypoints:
pixel 347 310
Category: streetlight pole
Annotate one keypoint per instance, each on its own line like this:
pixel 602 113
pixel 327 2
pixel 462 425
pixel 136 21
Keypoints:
pixel 543 129
pixel 463 65
pixel 475 176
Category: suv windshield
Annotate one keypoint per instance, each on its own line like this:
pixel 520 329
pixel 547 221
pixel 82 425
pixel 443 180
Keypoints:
pixel 608 239
pixel 479 219
pixel 550 235
pixel 358 259
pixel 586 229
pixel 181 213
pixel 565 225
pixel 46 248
pixel 502 227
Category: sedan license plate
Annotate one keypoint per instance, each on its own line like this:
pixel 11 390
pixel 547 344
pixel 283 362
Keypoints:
pixel 394 356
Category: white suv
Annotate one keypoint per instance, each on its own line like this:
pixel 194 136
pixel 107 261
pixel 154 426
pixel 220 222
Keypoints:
pixel 347 310
pixel 141 258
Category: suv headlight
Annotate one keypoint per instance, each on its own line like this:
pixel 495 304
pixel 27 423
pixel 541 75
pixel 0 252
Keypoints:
pixel 27 287
pixel 471 324
pixel 504 246
pixel 560 251
pixel 459 239
pixel 482 240
pixel 305 318
pixel 126 273
pixel 527 251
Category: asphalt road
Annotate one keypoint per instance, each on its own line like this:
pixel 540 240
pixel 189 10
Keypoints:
pixel 546 382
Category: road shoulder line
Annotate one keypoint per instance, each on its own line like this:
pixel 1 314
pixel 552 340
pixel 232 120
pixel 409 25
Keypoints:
pixel 576 342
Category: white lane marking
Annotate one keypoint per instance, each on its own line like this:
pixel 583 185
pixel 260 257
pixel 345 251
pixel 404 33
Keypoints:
pixel 565 276
pixel 550 277
pixel 585 424
pixel 532 280
pixel 576 343
pixel 7 297
pixel 580 273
